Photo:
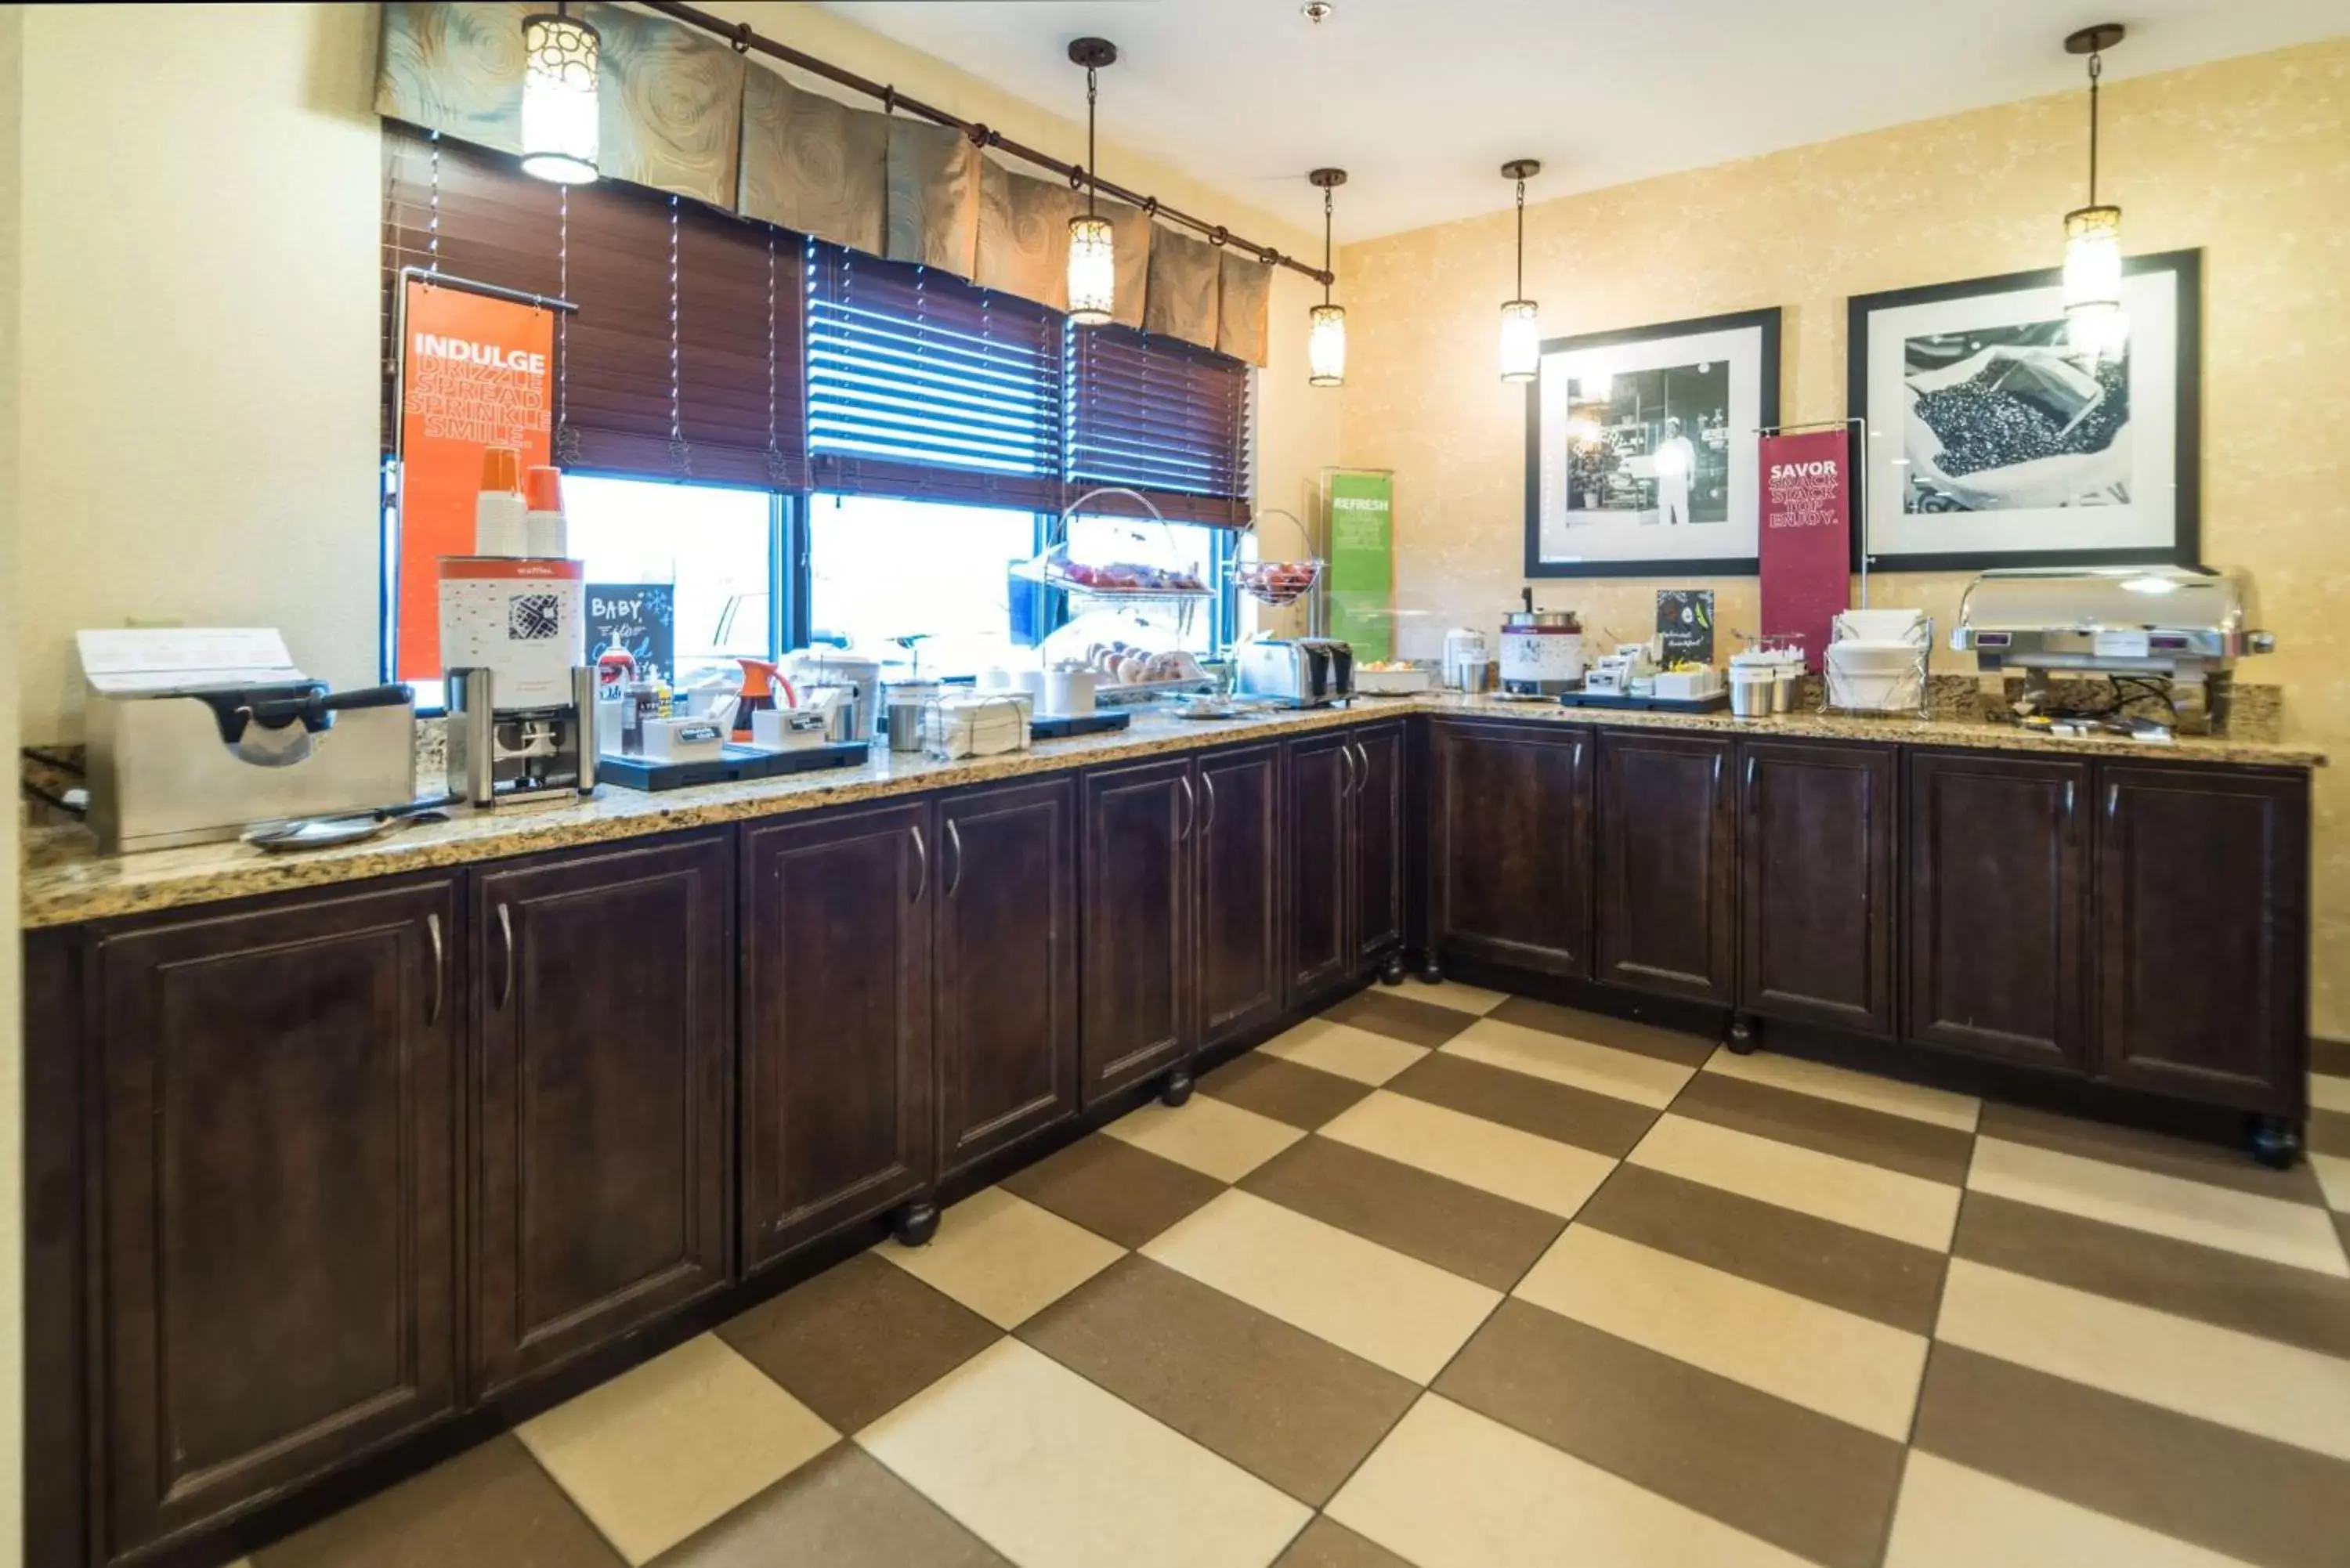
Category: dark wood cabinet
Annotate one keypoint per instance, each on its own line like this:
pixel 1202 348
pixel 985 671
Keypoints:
pixel 1997 934
pixel 1239 842
pixel 1510 875
pixel 2202 890
pixel 276 1257
pixel 603 1013
pixel 1815 905
pixel 836 1038
pixel 1137 996
pixel 1376 860
pixel 1667 854
pixel 1005 967
pixel 1321 788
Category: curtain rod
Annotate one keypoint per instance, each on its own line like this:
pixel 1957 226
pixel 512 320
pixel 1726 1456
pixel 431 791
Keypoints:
pixel 745 40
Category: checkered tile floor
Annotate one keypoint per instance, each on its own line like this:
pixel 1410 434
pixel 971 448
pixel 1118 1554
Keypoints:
pixel 1456 1281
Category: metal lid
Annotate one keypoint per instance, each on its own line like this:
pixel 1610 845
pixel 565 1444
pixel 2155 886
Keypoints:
pixel 1541 620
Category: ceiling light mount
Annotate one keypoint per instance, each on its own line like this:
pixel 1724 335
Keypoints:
pixel 1318 11
pixel 2095 40
pixel 1092 53
pixel 1522 168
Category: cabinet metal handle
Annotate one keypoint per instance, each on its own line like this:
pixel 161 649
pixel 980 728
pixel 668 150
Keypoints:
pixel 1749 786
pixel 954 851
pixel 1346 784
pixel 1190 808
pixel 2068 800
pixel 1362 769
pixel 922 862
pixel 2113 801
pixel 440 967
pixel 505 934
pixel 1207 814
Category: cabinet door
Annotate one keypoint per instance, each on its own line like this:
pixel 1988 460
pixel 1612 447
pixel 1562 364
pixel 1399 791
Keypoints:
pixel 1006 966
pixel 1239 856
pixel 1815 854
pixel 603 1004
pixel 2202 900
pixel 1322 771
pixel 1377 861
pixel 277 1228
pixel 1138 990
pixel 1668 853
pixel 1997 935
pixel 1509 846
pixel 837 1122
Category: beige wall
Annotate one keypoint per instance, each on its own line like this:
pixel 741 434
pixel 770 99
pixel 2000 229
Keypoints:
pixel 12 1121
pixel 2249 160
pixel 201 232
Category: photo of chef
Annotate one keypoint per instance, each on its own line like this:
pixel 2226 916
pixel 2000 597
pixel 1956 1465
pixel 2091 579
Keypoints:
pixel 1650 446
pixel 2005 417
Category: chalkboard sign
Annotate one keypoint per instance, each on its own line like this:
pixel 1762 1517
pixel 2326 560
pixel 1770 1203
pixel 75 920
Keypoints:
pixel 638 617
pixel 1685 625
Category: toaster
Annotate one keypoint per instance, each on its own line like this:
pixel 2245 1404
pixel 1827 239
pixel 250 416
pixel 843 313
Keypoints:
pixel 1301 673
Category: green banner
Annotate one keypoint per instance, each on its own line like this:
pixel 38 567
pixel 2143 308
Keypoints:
pixel 1362 561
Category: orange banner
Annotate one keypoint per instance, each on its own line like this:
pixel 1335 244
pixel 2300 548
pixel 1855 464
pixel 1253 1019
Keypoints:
pixel 474 374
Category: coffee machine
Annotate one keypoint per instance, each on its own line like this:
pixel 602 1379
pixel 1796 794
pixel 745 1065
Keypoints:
pixel 520 691
pixel 501 753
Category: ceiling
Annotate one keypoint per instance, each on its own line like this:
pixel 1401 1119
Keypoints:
pixel 1422 100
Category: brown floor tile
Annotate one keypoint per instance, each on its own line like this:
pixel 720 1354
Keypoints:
pixel 2264 1501
pixel 1873 1276
pixel 1401 1018
pixel 1458 1228
pixel 1601 1123
pixel 1326 1544
pixel 2275 1300
pixel 1791 1476
pixel 2329 1132
pixel 859 1340
pixel 1852 1132
pixel 1302 1096
pixel 2330 1056
pixel 490 1507
pixel 1113 1188
pixel 842 1510
pixel 1288 1407
pixel 2218 1164
pixel 1665 1045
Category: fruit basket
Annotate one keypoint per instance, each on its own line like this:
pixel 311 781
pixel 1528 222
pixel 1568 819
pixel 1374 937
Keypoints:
pixel 1115 582
pixel 1275 582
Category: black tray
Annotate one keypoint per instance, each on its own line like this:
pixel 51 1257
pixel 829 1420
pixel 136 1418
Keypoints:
pixel 1063 726
pixel 1624 701
pixel 737 762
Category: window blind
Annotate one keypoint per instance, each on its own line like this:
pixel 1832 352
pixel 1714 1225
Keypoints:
pixel 664 372
pixel 1163 418
pixel 923 386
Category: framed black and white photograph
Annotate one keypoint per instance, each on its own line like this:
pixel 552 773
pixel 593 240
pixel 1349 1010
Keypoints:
pixel 1640 455
pixel 1999 437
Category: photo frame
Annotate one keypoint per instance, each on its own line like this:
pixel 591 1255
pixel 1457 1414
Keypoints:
pixel 1640 449
pixel 1994 442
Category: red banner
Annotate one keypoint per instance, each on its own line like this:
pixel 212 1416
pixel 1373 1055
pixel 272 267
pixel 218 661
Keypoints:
pixel 473 374
pixel 1806 535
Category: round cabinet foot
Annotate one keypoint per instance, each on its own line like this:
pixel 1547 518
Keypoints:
pixel 917 1222
pixel 2275 1142
pixel 1430 971
pixel 1739 1037
pixel 1176 1089
pixel 1391 971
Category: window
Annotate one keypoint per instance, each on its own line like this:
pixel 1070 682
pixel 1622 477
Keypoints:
pixel 681 574
pixel 881 569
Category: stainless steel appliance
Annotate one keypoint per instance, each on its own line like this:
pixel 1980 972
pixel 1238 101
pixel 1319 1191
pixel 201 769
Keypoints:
pixel 2185 626
pixel 1542 651
pixel 1298 672
pixel 501 755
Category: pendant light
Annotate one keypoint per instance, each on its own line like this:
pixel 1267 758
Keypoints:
pixel 561 60
pixel 1093 252
pixel 2093 322
pixel 1520 321
pixel 1326 330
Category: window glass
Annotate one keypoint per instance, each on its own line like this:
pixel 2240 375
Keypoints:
pixel 881 570
pixel 693 565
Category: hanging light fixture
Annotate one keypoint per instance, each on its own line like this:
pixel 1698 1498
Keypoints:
pixel 1093 252
pixel 1520 321
pixel 1326 330
pixel 2094 322
pixel 561 56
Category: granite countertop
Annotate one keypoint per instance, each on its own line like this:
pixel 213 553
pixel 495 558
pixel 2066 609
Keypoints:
pixel 66 880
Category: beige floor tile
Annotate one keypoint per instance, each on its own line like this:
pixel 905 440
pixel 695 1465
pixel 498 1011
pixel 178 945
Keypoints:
pixel 1451 1488
pixel 1854 1368
pixel 1890 1096
pixel 1212 1136
pixel 1453 995
pixel 1003 1257
pixel 2221 1375
pixel 1053 1472
pixel 1953 1517
pixel 2334 1178
pixel 1392 1311
pixel 1341 1048
pixel 663 1449
pixel 1865 1197
pixel 1555 1178
pixel 2328 1093
pixel 1644 1080
pixel 2246 1223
